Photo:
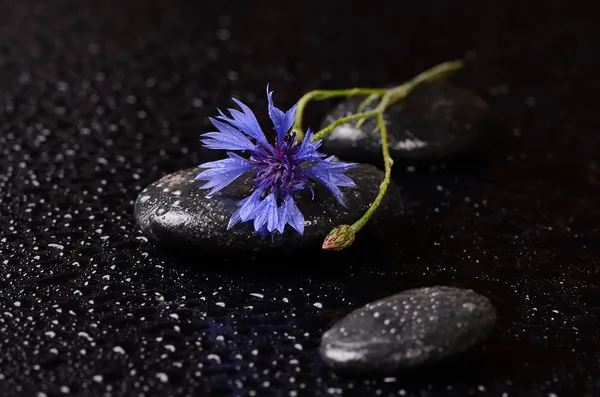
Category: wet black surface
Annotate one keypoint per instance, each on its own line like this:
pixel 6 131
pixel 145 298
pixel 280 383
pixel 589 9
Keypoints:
pixel 99 99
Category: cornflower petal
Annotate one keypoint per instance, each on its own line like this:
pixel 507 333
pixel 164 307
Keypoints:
pixel 282 121
pixel 308 150
pixel 221 173
pixel 266 214
pixel 281 170
pixel 245 121
pixel 228 138
pixel 330 174
pixel 248 210
pixel 263 232
pixel 234 220
pixel 290 214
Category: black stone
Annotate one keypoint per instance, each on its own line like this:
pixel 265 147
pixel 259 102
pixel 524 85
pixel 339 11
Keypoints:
pixel 435 121
pixel 176 212
pixel 415 327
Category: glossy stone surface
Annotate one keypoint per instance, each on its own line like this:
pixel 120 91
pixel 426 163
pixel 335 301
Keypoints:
pixel 435 121
pixel 409 329
pixel 176 212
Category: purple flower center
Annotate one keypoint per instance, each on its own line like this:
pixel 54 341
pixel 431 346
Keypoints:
pixel 280 172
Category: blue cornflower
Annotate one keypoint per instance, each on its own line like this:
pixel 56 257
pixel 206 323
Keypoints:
pixel 279 171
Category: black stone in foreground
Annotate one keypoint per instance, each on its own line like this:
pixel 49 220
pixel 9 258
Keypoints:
pixel 415 327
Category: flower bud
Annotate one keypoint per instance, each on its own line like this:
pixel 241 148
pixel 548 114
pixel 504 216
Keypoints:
pixel 339 238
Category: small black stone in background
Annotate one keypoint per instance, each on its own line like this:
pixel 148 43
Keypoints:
pixel 415 327
pixel 176 212
pixel 435 121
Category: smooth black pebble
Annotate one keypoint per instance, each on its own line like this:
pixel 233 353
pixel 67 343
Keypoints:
pixel 435 121
pixel 415 327
pixel 176 212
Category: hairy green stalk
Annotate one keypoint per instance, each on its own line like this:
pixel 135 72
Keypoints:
pixel 388 162
pixel 342 236
pixel 319 95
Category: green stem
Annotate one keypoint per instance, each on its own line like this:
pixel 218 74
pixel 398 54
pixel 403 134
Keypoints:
pixel 388 98
pixel 319 95
pixel 327 130
pixel 363 105
pixel 387 159
pixel 434 74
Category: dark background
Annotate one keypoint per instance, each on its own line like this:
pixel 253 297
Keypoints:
pixel 100 98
